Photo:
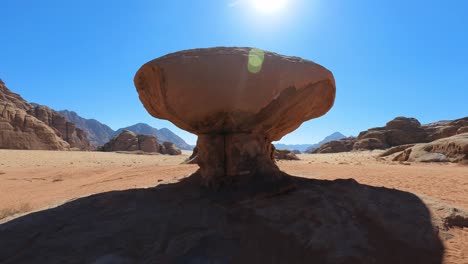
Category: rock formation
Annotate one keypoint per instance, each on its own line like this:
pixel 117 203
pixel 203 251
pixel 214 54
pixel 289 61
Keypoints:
pixel 443 129
pixel 65 129
pixel 285 154
pixel 162 134
pixel 97 132
pixel 169 148
pixel 237 100
pixel 21 130
pixel 333 137
pixel 342 145
pixel 397 132
pixel 449 149
pixel 129 141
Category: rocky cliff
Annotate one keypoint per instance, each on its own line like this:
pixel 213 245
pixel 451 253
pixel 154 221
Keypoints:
pixel 30 126
pixel 98 133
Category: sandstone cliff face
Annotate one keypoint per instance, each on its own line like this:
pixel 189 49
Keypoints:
pixel 66 130
pixel 98 133
pixel 14 99
pixel 29 126
pixel 129 141
pixel 399 131
pixel 443 129
pixel 21 130
pixel 449 149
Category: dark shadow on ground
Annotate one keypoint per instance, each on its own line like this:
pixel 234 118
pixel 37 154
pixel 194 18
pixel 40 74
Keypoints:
pixel 338 221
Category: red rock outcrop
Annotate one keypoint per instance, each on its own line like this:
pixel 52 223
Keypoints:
pixel 237 100
pixel 285 154
pixel 170 148
pixel 449 149
pixel 63 128
pixel 443 129
pixel 399 131
pixel 342 145
pixel 21 130
pixel 129 141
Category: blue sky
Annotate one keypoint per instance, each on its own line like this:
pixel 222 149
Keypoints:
pixel 389 58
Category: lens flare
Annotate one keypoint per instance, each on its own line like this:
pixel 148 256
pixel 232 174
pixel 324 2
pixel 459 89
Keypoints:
pixel 256 57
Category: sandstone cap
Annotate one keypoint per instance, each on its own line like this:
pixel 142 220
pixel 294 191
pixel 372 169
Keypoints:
pixel 235 90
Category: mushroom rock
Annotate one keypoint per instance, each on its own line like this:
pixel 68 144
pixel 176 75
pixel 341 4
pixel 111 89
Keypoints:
pixel 237 100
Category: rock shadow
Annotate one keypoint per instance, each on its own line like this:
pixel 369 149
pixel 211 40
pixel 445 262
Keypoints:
pixel 338 221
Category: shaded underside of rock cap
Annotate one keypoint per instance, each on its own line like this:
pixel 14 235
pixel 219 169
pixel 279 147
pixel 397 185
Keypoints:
pixel 235 90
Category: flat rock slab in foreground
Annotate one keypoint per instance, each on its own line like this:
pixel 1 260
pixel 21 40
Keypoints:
pixel 337 221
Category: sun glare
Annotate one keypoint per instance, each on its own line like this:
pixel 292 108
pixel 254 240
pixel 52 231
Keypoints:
pixel 269 6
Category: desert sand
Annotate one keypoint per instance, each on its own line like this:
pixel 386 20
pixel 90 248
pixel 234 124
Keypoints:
pixel 36 180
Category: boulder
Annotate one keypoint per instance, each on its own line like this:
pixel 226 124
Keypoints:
pixel 148 143
pixel 170 148
pixel 285 154
pixel 129 141
pixel 342 145
pixel 237 100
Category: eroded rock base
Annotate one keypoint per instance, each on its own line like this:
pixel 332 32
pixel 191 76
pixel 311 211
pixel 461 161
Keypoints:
pixel 240 159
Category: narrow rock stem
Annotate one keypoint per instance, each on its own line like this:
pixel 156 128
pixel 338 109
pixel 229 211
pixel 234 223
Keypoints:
pixel 235 157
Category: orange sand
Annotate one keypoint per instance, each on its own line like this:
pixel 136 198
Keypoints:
pixel 34 180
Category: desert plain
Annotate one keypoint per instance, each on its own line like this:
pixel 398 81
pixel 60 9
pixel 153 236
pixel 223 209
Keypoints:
pixel 35 180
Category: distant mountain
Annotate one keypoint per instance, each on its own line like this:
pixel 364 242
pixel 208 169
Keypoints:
pixel 98 133
pixel 300 147
pixel 307 147
pixel 162 134
pixel 332 137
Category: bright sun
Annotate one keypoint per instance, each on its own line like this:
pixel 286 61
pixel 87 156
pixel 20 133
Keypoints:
pixel 269 6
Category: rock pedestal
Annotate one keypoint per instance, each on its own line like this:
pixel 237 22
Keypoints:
pixel 237 100
pixel 228 158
